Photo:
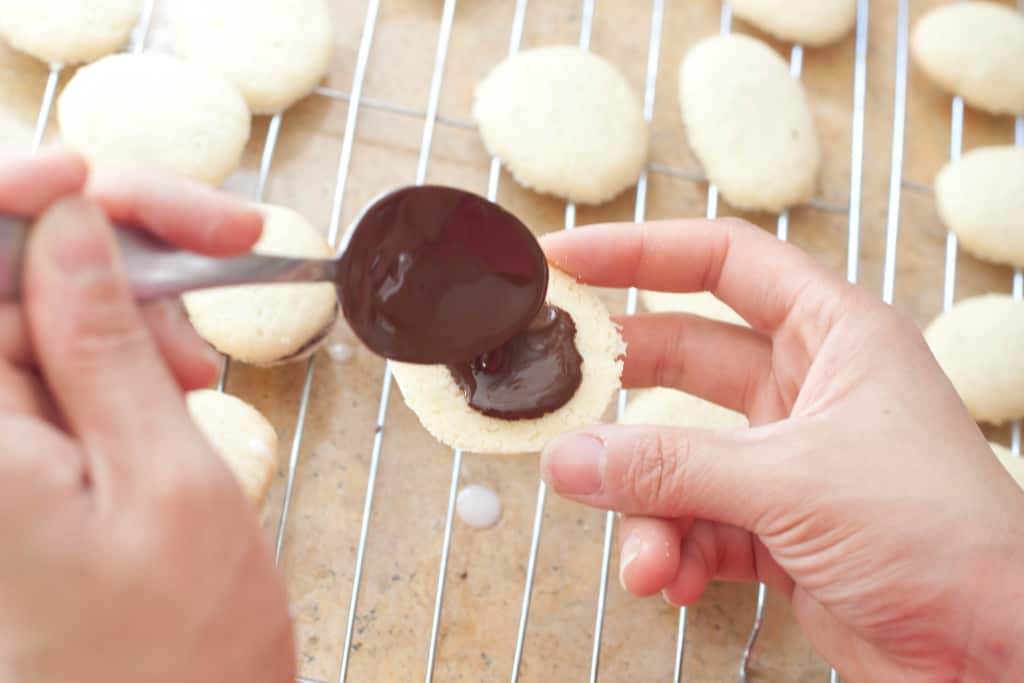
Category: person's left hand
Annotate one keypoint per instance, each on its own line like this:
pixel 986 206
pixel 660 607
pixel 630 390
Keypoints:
pixel 184 215
pixel 130 552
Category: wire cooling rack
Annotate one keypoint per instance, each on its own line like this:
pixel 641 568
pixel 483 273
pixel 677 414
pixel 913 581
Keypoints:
pixel 431 118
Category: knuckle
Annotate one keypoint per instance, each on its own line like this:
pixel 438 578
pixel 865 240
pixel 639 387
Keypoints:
pixel 654 472
pixel 37 459
pixel 107 322
pixel 670 365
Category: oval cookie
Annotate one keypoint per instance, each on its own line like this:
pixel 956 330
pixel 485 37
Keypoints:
pixel 749 123
pixel 270 324
pixel 240 435
pixel 811 22
pixel 564 122
pixel 68 31
pixel 981 199
pixel 442 408
pixel 155 110
pixel 976 50
pixel 275 52
pixel 663 406
pixel 1013 464
pixel 980 346
pixel 704 304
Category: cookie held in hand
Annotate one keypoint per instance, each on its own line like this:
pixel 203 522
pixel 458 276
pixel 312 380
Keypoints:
pixel 442 406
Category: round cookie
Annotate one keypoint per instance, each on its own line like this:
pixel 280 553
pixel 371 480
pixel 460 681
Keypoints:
pixel 68 31
pixel 1013 464
pixel 704 304
pixel 980 346
pixel 270 324
pixel 564 122
pixel 811 22
pixel 663 406
pixel 22 83
pixel 240 435
pixel 442 408
pixel 980 197
pixel 749 123
pixel 275 52
pixel 975 50
pixel 155 110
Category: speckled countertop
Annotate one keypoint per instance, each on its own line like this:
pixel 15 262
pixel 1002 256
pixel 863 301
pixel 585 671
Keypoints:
pixel 486 569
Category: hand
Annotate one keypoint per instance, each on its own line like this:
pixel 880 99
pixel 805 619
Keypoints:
pixel 129 552
pixel 864 492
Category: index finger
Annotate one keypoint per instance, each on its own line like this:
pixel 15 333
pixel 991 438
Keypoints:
pixel 760 277
pixel 29 184
pixel 184 213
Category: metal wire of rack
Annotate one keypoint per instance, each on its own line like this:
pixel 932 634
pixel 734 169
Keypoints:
pixel 431 117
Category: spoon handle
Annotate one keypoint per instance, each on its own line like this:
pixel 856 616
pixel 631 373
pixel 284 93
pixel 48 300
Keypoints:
pixel 156 270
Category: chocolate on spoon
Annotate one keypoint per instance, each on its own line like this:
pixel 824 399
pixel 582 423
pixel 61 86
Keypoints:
pixel 428 274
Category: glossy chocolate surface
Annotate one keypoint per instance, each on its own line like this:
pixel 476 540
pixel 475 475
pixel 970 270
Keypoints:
pixel 534 373
pixel 437 275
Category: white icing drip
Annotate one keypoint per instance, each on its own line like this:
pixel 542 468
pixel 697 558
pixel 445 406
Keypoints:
pixel 478 506
pixel 341 353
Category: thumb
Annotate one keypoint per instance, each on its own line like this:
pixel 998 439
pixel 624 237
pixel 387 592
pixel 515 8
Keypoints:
pixel 728 477
pixel 101 366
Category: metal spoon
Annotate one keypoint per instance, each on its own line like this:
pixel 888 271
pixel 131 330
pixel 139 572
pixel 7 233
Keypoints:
pixel 428 274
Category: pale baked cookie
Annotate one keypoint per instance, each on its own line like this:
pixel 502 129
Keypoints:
pixel 564 122
pixel 980 346
pixel 811 22
pixel 275 52
pixel 441 406
pixel 240 435
pixel 976 50
pixel 1013 464
pixel 68 31
pixel 669 407
pixel 981 199
pixel 157 111
pixel 270 324
pixel 22 83
pixel 704 304
pixel 749 123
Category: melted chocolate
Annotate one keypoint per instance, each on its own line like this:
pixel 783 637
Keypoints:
pixel 437 275
pixel 532 374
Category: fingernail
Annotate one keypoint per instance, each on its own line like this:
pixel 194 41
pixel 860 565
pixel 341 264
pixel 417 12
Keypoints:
pixel 664 596
pixel 573 464
pixel 631 550
pixel 76 245
pixel 238 233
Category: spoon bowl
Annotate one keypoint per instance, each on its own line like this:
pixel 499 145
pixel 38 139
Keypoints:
pixel 434 274
pixel 429 274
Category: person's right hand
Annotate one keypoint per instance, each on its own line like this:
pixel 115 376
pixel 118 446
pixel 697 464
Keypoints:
pixel 128 552
pixel 864 491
